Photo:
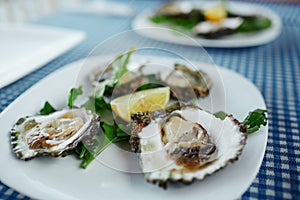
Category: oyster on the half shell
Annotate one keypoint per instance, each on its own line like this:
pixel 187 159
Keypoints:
pixel 214 30
pixel 185 145
pixel 52 134
pixel 184 82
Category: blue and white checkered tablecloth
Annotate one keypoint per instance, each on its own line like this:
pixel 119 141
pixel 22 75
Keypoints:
pixel 274 68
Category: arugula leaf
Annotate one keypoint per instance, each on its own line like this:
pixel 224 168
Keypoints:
pixel 47 109
pixel 99 106
pixel 119 68
pixel 221 115
pixel 110 132
pixel 254 23
pixel 150 81
pixel 88 152
pixel 96 104
pixel 119 65
pixel 74 93
pixel 187 21
pixel 104 87
pixel 114 133
pixel 253 121
pixel 83 154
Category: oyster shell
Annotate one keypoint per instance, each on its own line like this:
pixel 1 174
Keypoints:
pixel 184 82
pixel 174 9
pixel 212 30
pixel 185 145
pixel 127 84
pixel 187 84
pixel 52 134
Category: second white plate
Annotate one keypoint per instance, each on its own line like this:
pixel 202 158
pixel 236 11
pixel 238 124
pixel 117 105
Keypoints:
pixel 26 47
pixel 143 26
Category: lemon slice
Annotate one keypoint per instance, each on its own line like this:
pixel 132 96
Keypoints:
pixel 146 100
pixel 215 13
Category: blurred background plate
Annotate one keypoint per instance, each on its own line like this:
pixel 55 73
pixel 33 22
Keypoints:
pixel 141 24
pixel 24 48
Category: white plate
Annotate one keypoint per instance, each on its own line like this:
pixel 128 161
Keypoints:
pixel 25 48
pixel 61 178
pixel 143 26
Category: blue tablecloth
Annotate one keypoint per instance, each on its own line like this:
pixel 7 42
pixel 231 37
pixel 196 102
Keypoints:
pixel 274 69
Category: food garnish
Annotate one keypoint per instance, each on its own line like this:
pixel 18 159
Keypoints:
pixel 113 73
pixel 254 120
pixel 215 13
pixel 141 101
pixel 109 132
pixel 47 109
pixel 74 93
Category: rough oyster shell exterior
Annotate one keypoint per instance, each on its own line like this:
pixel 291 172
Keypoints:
pixel 52 134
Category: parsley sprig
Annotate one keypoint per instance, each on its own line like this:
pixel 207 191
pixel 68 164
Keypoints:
pixel 253 121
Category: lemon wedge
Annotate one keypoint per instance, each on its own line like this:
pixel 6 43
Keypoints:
pixel 215 13
pixel 142 101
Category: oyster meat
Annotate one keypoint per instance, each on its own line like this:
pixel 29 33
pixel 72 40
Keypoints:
pixel 186 83
pixel 173 9
pixel 213 30
pixel 52 134
pixel 185 145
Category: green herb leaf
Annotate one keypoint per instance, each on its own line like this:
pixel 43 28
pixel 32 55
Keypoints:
pixel 110 134
pixel 255 119
pixel 119 65
pixel 119 68
pixel 255 23
pixel 184 21
pixel 74 93
pixel 83 154
pixel 104 88
pixel 221 115
pixel 88 159
pixel 150 81
pixel 114 133
pixel 109 131
pixel 47 109
pixel 101 107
